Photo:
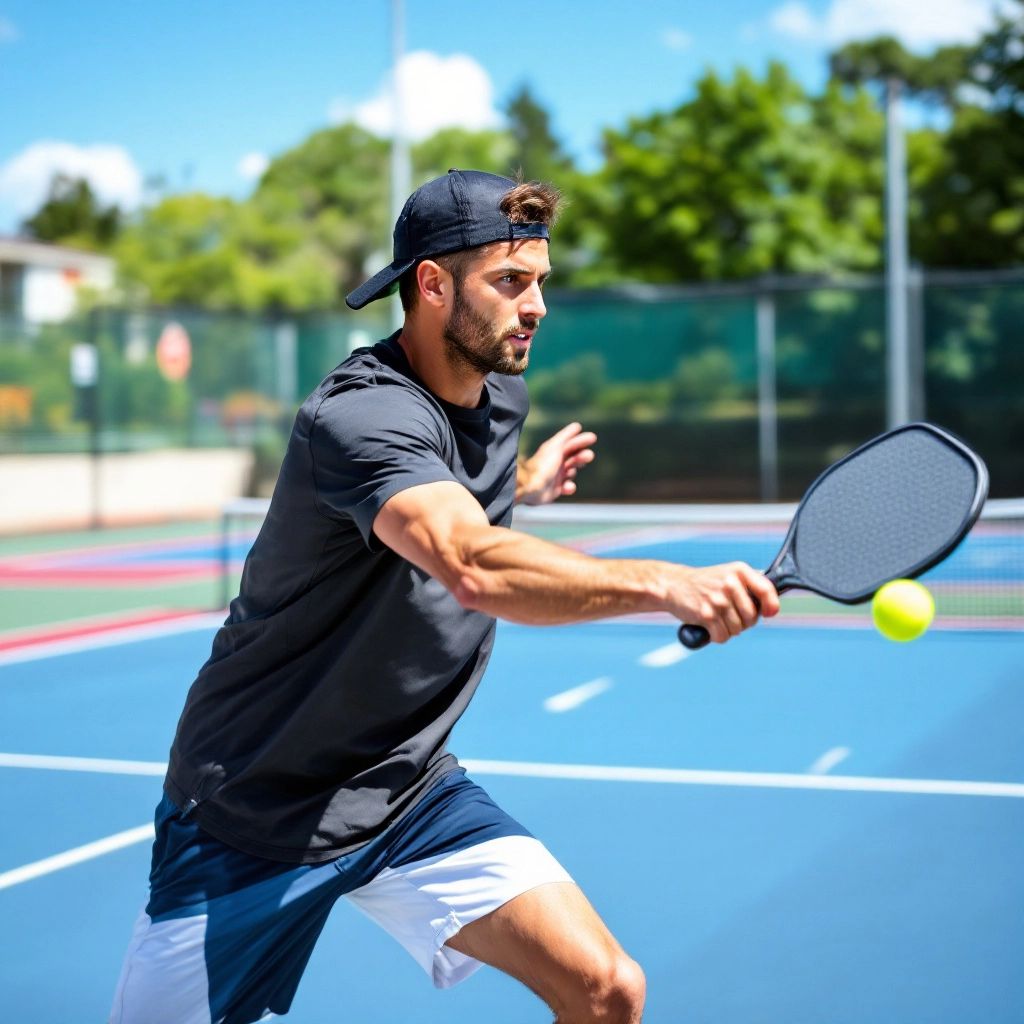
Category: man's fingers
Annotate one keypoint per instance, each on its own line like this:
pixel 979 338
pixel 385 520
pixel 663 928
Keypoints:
pixel 762 590
pixel 735 596
pixel 737 585
pixel 579 441
pixel 583 459
pixel 568 431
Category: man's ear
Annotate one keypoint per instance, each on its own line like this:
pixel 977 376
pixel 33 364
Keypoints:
pixel 434 283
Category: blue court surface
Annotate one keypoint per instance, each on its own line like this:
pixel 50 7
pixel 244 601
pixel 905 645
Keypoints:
pixel 806 825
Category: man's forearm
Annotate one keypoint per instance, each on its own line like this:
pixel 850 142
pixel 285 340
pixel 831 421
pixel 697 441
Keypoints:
pixel 442 529
pixel 513 575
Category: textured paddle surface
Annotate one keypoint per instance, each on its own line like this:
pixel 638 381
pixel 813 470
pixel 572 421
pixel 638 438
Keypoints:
pixel 884 513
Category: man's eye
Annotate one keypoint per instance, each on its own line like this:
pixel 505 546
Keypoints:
pixel 509 278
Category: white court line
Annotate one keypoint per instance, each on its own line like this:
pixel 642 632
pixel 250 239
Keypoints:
pixel 76 856
pixel 578 695
pixel 609 773
pixel 765 780
pixel 112 638
pixel 662 657
pixel 829 760
pixel 82 764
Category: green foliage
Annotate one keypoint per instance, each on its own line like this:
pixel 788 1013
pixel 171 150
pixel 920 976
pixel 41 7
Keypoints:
pixel 332 191
pixel 873 60
pixel 751 176
pixel 204 251
pixel 936 77
pixel 42 370
pixel 971 205
pixel 997 65
pixel 72 215
pixel 966 182
pixel 455 147
pixel 538 154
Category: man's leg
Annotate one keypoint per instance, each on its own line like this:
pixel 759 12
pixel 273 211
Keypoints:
pixel 552 940
pixel 467 885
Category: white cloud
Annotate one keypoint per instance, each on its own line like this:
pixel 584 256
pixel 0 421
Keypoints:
pixel 918 24
pixel 25 178
pixel 794 19
pixel 436 92
pixel 676 39
pixel 252 166
pixel 8 31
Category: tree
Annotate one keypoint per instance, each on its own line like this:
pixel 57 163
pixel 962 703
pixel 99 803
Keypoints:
pixel 317 224
pixel 333 190
pixel 751 176
pixel 456 147
pixel 966 182
pixel 73 215
pixel 538 154
pixel 997 64
pixel 935 78
pixel 212 252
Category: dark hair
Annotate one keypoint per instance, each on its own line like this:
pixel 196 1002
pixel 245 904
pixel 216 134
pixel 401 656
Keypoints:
pixel 530 202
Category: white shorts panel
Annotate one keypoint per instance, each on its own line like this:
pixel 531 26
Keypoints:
pixel 424 903
pixel 163 980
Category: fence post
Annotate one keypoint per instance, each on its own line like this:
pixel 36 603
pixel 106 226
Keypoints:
pixel 767 411
pixel 95 422
pixel 898 382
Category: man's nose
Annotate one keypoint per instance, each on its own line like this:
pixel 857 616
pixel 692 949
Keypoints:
pixel 532 305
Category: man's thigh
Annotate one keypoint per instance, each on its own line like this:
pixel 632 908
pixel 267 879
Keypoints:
pixel 423 903
pixel 552 940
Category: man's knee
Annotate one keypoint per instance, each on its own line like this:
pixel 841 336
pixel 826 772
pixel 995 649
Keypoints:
pixel 614 993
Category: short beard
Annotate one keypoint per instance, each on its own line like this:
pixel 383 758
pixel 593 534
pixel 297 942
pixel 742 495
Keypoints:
pixel 472 342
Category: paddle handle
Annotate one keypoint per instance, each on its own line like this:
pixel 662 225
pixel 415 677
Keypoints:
pixel 782 578
pixel 694 637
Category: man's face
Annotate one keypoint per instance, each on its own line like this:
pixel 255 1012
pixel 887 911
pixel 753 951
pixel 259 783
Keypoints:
pixel 498 307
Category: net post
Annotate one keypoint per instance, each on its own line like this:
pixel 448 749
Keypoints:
pixel 225 556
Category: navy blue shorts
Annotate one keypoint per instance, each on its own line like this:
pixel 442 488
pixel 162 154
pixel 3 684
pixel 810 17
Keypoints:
pixel 226 936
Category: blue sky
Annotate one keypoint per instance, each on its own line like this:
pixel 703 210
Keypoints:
pixel 202 93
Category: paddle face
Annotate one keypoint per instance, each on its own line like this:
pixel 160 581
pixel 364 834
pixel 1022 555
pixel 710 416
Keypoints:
pixel 891 509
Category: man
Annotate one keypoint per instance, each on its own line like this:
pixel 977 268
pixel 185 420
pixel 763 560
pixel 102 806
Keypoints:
pixel 310 761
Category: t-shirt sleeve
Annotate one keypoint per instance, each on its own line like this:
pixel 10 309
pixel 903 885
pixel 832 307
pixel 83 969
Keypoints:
pixel 369 444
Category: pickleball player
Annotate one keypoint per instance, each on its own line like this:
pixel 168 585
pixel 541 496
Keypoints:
pixel 310 761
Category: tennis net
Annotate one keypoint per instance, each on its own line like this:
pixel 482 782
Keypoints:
pixel 980 586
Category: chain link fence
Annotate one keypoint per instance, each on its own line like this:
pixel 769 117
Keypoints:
pixel 721 393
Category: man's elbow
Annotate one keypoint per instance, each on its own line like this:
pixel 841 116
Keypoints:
pixel 470 583
pixel 470 591
pixel 477 583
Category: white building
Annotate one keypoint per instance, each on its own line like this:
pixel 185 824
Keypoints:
pixel 39 282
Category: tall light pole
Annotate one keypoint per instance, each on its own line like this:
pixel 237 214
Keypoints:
pixel 401 173
pixel 898 361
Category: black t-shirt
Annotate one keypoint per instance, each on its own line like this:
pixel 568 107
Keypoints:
pixel 324 710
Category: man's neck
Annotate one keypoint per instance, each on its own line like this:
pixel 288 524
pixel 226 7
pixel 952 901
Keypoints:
pixel 454 382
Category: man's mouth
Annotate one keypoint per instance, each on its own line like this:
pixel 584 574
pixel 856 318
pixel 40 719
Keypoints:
pixel 523 337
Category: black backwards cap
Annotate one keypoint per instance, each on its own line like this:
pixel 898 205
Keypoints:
pixel 454 212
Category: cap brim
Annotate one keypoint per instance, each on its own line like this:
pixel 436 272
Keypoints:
pixel 382 283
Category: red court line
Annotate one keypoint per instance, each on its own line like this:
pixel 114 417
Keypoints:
pixel 68 576
pixel 41 635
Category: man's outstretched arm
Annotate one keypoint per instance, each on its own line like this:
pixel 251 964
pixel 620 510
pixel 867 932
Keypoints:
pixel 441 528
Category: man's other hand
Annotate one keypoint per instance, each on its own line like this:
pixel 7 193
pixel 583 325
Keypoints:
pixel 551 471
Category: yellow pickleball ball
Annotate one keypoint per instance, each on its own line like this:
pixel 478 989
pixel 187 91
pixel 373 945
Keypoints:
pixel 902 609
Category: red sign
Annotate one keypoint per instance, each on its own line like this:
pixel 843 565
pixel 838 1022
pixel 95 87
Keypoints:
pixel 174 352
